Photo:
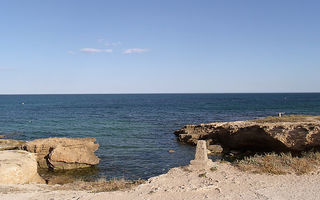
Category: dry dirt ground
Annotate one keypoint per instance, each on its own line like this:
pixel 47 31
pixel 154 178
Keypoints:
pixel 222 182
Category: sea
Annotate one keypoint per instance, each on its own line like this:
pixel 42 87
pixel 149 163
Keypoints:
pixel 135 131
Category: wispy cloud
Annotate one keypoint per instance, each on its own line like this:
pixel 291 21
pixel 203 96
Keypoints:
pixel 93 50
pixel 135 50
pixel 112 44
pixel 100 40
pixel 71 52
pixel 108 43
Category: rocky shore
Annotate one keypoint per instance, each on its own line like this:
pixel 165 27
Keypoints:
pixel 64 153
pixel 278 134
pixel 202 179
pixel 20 161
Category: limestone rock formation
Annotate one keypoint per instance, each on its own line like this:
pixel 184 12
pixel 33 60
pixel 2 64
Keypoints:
pixel 18 167
pixel 64 153
pixel 215 149
pixel 256 135
pixel 7 144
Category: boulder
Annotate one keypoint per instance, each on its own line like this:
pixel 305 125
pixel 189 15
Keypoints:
pixel 257 135
pixel 7 144
pixel 18 167
pixel 64 153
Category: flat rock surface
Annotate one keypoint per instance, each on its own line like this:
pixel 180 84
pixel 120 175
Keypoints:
pixel 226 183
pixel 7 144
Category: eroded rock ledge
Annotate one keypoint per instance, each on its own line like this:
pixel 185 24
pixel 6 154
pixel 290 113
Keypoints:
pixel 258 136
pixel 64 153
pixel 20 161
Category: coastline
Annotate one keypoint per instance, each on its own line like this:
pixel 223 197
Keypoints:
pixel 226 182
pixel 202 179
pixel 134 129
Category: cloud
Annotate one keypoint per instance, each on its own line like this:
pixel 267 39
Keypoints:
pixel 71 52
pixel 112 44
pixel 135 50
pixel 93 50
pixel 108 43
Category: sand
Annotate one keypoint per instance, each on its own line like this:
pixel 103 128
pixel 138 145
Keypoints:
pixel 226 182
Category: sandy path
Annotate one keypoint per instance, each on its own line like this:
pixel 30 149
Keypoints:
pixel 224 183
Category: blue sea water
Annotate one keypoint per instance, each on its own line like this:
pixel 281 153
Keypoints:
pixel 135 131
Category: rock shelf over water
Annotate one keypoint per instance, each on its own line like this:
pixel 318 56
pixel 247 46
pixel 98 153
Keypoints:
pixel 19 160
pixel 7 144
pixel 293 133
pixel 64 153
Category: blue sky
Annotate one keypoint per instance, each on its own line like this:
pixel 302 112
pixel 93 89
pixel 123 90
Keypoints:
pixel 163 46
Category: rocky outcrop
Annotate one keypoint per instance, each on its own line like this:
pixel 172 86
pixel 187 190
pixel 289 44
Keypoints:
pixel 18 167
pixel 64 153
pixel 255 136
pixel 7 144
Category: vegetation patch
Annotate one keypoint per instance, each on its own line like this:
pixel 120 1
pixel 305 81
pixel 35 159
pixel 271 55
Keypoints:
pixel 185 168
pixel 288 118
pixel 283 163
pixel 213 169
pixel 101 185
pixel 203 175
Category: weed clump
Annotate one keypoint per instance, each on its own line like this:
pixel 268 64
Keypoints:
pixel 203 175
pixel 213 169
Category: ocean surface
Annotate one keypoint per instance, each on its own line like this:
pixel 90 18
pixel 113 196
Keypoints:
pixel 135 131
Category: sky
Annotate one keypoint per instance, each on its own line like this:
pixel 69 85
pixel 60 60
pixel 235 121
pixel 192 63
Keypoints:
pixel 159 46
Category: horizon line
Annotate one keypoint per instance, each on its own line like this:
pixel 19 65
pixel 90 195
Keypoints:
pixel 143 93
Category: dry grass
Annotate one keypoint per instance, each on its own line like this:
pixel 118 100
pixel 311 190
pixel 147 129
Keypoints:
pixel 101 185
pixel 280 164
pixel 213 169
pixel 203 175
pixel 185 168
pixel 288 118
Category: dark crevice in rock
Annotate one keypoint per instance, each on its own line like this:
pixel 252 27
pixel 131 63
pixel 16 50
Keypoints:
pixel 249 139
